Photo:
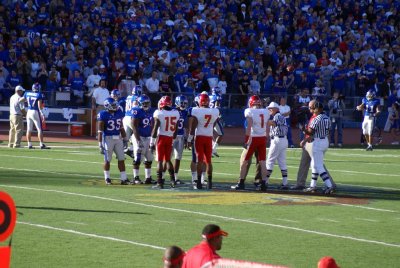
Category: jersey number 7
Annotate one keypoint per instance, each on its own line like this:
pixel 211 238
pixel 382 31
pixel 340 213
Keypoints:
pixel 207 117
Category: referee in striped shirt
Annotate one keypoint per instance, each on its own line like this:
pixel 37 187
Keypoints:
pixel 316 143
pixel 279 144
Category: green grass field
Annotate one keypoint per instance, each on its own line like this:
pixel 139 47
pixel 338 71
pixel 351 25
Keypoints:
pixel 67 217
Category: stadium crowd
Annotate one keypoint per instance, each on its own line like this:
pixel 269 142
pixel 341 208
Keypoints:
pixel 245 47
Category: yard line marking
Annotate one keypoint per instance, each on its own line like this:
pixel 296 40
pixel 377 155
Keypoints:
pixel 362 219
pixel 279 219
pixel 304 198
pixel 124 222
pixel 169 222
pixel 329 220
pixel 346 237
pixel 217 173
pixel 90 235
pixel 74 222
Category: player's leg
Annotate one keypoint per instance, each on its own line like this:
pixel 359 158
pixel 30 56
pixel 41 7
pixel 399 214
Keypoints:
pixel 193 164
pixel 19 129
pixel 244 164
pixel 119 151
pixel 127 121
pixel 283 145
pixel 107 159
pixel 37 120
pixel 199 142
pixel 272 156
pixel 12 132
pixel 207 158
pixel 168 163
pixel 160 163
pixel 220 133
pixel 148 160
pixel 261 158
pixel 29 127
pixel 137 159
pixel 178 151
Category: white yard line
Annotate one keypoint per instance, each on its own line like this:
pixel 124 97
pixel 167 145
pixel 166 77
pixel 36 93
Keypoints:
pixel 279 219
pixel 74 222
pixel 124 222
pixel 328 220
pixel 90 235
pixel 346 237
pixel 169 222
pixel 301 197
pixel 369 220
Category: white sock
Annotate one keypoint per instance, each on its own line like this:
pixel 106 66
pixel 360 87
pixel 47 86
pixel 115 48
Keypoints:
pixel 106 174
pixel 176 176
pixel 328 183
pixel 29 143
pixel 123 175
pixel 162 176
pixel 313 183
pixel 147 173
pixel 130 147
pixel 203 176
pixel 135 172
pixel 284 180
pixel 41 144
pixel 215 146
pixel 194 176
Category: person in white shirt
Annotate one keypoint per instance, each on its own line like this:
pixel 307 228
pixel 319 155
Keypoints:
pixel 92 81
pixel 17 112
pixel 284 110
pixel 255 140
pixel 100 94
pixel 153 84
pixel 201 130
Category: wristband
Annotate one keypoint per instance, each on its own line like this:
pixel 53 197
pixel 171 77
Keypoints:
pixel 190 138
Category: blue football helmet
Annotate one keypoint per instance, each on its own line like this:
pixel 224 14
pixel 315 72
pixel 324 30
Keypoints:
pixel 110 104
pixel 215 90
pixel 144 102
pixel 215 101
pixel 196 100
pixel 115 94
pixel 137 90
pixel 36 87
pixel 370 94
pixel 182 102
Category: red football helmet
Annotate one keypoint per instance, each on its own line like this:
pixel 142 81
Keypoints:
pixel 204 100
pixel 254 100
pixel 165 101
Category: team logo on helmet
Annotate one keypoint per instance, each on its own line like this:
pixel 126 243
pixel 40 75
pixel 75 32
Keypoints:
pixel 144 102
pixel 110 104
pixel 215 90
pixel 181 102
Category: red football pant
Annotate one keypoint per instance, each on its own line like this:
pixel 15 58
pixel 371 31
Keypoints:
pixel 164 148
pixel 257 144
pixel 203 146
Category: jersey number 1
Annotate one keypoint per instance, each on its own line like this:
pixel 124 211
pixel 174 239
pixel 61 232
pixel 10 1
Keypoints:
pixel 262 120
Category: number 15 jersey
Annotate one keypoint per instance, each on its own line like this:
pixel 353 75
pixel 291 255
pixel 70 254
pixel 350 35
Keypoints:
pixel 168 121
pixel 206 118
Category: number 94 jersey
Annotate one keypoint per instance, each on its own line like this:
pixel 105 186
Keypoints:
pixel 112 122
pixel 206 118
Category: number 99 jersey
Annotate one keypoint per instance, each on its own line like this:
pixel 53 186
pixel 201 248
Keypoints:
pixel 112 122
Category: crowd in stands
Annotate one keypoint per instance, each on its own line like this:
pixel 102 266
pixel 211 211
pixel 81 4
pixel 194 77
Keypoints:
pixel 265 47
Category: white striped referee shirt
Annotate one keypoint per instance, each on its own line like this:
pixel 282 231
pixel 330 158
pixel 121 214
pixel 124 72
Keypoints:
pixel 280 129
pixel 321 126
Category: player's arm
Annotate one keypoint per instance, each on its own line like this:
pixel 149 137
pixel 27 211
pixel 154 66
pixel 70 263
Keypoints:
pixel 378 109
pixel 192 126
pixel 154 134
pixel 361 107
pixel 135 128
pixel 100 127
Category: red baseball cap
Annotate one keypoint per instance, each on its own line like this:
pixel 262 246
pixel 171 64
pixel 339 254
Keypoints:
pixel 327 262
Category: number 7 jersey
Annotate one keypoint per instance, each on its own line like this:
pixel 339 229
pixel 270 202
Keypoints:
pixel 206 118
pixel 168 121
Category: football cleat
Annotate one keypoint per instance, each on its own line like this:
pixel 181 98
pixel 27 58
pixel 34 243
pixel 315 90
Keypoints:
pixel 310 190
pixel 129 153
pixel 108 181
pixel 149 181
pixel 262 187
pixel 125 182
pixel 238 186
pixel 44 147
pixel 30 147
pixel 159 186
pixel 297 187
pixel 198 185
pixel 329 190
pixel 137 180
pixel 173 183
pixel 369 148
pixel 209 185
pixel 283 187
pixel 214 153
pixel 179 182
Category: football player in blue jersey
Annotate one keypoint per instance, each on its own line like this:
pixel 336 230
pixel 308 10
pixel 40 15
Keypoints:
pixel 142 122
pixel 371 107
pixel 215 102
pixel 112 138
pixel 181 105
pixel 34 116
pixel 116 95
pixel 130 104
